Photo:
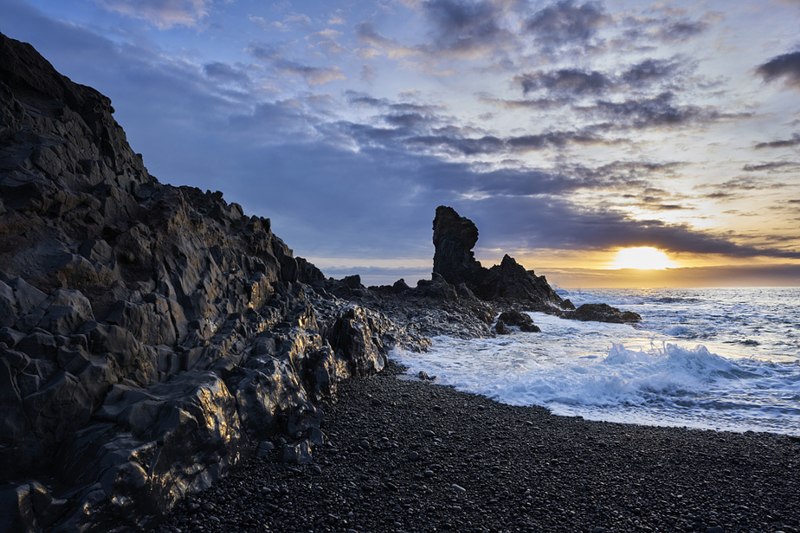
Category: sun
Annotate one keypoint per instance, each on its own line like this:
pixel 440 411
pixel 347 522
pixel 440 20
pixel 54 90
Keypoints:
pixel 642 258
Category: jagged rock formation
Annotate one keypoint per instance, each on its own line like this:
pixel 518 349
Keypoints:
pixel 454 237
pixel 506 284
pixel 150 335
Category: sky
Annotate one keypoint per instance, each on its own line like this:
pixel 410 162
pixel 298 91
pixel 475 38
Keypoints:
pixel 567 130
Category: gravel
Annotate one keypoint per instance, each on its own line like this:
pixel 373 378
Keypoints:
pixel 407 455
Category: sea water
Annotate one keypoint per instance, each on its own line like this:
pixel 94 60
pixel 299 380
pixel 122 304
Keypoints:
pixel 725 359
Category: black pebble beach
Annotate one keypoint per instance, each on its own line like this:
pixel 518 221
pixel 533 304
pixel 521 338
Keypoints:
pixel 408 455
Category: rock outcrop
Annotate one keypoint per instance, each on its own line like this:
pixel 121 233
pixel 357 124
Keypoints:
pixel 454 237
pixel 150 336
pixel 508 283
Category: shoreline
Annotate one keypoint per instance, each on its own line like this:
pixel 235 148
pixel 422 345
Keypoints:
pixel 408 455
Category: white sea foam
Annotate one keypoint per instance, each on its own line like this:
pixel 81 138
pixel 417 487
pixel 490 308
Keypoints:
pixel 617 372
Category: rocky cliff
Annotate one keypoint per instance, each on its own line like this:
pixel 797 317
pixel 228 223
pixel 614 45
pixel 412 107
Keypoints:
pixel 150 335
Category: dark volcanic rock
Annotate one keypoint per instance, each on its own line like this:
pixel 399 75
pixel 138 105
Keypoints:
pixel 602 313
pixel 454 237
pixel 523 321
pixel 150 336
pixel 509 281
pixel 454 264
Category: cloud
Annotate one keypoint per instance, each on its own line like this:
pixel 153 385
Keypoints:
pixel 302 167
pixel 163 14
pixel 783 143
pixel 529 222
pixel 571 81
pixel 378 44
pixel 363 99
pixel 465 28
pixel 310 74
pixel 681 30
pixel 566 23
pixel 532 103
pixel 771 165
pixel 649 71
pixel 226 73
pixel 786 67
pixel 654 112
pixel 669 28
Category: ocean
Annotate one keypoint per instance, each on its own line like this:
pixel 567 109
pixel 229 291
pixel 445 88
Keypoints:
pixel 724 359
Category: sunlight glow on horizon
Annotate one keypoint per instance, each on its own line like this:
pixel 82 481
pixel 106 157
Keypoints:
pixel 642 258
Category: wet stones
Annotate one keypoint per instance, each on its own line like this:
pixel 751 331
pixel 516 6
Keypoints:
pixel 601 313
pixel 521 320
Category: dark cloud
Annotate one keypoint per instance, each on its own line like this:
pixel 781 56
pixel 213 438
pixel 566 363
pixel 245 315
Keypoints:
pixel 720 195
pixel 394 106
pixel 535 103
pixel 649 71
pixel 668 28
pixel 738 187
pixel 570 81
pixel 410 121
pixel 530 222
pixel 664 207
pixel 786 67
pixel 772 165
pixel 491 144
pixel 566 23
pixel 784 143
pixel 655 112
pixel 487 144
pixel 557 139
pixel 681 30
pixel 465 27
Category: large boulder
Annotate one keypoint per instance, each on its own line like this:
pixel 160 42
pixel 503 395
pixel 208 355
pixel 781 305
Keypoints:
pixel 523 321
pixel 602 313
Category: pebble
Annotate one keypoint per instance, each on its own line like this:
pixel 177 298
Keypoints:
pixel 575 476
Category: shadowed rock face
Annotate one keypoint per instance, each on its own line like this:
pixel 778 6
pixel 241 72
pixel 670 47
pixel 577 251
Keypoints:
pixel 454 237
pixel 506 284
pixel 150 335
